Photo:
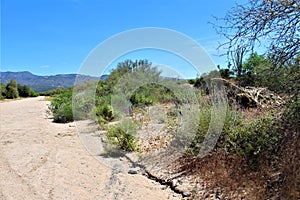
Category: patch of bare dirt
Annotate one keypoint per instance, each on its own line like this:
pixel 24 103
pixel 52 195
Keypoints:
pixel 43 160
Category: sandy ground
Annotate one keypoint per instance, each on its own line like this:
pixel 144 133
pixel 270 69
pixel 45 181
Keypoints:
pixel 43 160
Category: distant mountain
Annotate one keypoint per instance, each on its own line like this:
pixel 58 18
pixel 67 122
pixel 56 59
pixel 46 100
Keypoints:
pixel 44 83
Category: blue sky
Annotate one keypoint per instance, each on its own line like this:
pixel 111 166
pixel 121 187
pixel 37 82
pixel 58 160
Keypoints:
pixel 55 36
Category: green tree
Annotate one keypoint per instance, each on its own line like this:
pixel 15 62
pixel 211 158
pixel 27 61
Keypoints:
pixel 12 90
pixel 254 61
pixel 225 73
pixel 2 91
pixel 25 91
pixel 125 67
pixel 255 69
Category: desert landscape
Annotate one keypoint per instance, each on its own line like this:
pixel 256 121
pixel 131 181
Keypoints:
pixel 44 160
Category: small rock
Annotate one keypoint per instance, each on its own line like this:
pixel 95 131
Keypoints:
pixel 218 195
pixel 103 140
pixel 134 170
pixel 206 195
pixel 175 195
pixel 185 194
pixel 164 187
pixel 175 183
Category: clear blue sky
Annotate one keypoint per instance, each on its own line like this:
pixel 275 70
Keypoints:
pixel 55 36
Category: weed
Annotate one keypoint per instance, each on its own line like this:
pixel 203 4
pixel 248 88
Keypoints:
pixel 123 135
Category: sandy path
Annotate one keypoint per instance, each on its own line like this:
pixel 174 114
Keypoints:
pixel 43 160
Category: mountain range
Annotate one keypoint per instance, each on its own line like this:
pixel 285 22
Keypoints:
pixel 45 83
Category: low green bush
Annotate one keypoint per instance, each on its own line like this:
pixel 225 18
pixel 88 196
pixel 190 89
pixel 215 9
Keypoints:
pixel 63 113
pixel 53 92
pixel 251 139
pixel 105 112
pixel 150 94
pixel 123 135
pixel 291 114
pixel 254 139
pixel 141 100
pixel 61 107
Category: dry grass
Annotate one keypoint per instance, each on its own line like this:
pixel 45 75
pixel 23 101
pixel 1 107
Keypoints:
pixel 48 98
pixel 290 166
pixel 225 174
pixel 276 177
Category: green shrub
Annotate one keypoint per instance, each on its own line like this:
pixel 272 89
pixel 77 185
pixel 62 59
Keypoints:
pixel 291 114
pixel 150 94
pixel 105 112
pixel 63 113
pixel 141 100
pixel 250 139
pixel 123 135
pixel 204 121
pixel 254 139
pixel 61 107
pixel 53 92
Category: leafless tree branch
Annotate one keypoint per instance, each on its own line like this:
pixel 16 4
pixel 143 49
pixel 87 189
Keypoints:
pixel 274 23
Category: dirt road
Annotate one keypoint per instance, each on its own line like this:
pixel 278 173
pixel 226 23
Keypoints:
pixel 43 160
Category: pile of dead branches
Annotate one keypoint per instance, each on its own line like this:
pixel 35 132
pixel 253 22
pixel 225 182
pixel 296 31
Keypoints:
pixel 251 96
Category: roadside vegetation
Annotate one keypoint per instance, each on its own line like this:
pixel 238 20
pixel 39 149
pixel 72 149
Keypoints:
pixel 61 106
pixel 13 90
pixel 255 133
pixel 260 139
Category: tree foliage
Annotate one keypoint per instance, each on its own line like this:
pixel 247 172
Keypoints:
pixel 25 91
pixel 2 91
pixel 12 90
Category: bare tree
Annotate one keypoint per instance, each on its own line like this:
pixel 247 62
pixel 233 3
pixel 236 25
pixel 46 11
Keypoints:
pixel 237 59
pixel 273 23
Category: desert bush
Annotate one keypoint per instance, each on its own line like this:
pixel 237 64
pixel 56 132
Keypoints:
pixel 123 135
pixel 151 94
pixel 53 92
pixel 63 113
pixel 254 139
pixel 251 139
pixel 141 100
pixel 291 114
pixel 61 107
pixel 105 112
